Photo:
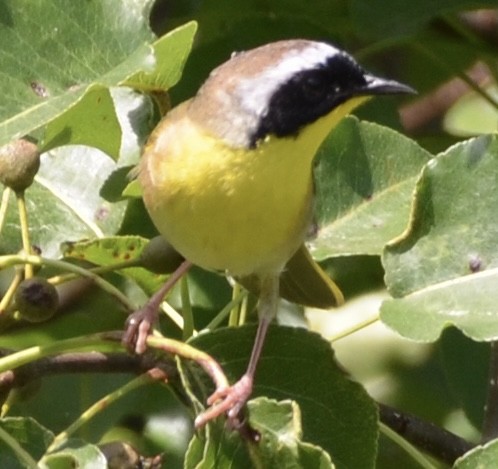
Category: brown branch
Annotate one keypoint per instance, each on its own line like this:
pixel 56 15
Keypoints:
pixel 436 441
pixel 89 362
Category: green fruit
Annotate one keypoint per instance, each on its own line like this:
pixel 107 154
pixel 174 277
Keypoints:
pixel 36 299
pixel 19 163
pixel 159 256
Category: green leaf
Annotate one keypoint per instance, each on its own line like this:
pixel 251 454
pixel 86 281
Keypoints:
pixel 463 358
pixel 114 250
pixel 94 110
pixel 133 189
pixel 364 181
pixel 380 18
pixel 482 457
pixel 171 52
pixel 52 51
pixel 76 453
pixel 337 414
pixel 93 119
pixel 218 448
pixel 472 114
pixel 62 205
pixel 280 441
pixel 443 270
pixel 29 435
pixel 279 426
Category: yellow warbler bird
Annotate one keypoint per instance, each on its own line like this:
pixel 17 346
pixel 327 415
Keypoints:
pixel 227 175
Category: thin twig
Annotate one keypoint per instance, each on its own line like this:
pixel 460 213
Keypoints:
pixel 436 441
pixel 84 362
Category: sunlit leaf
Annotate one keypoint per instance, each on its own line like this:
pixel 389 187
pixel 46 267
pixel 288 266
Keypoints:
pixel 52 51
pixel 484 457
pixel 473 115
pixel 443 270
pixel 364 181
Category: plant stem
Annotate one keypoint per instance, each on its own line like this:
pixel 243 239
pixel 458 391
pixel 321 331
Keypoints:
pixel 208 363
pixel 26 243
pixel 146 378
pixel 102 269
pixel 90 342
pixel 234 319
pixel 173 314
pixel 7 261
pixel 3 206
pixel 188 317
pixel 408 447
pixel 355 328
pixel 5 301
pixel 20 452
pixel 229 307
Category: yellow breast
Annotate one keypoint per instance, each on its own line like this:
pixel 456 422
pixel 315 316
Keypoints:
pixel 244 211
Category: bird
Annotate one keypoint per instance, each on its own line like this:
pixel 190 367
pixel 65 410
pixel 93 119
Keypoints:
pixel 227 176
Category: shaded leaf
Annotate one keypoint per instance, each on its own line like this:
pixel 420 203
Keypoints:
pixel 364 181
pixel 29 434
pixel 443 270
pixel 466 367
pixel 378 18
pixel 337 414
pixel 76 453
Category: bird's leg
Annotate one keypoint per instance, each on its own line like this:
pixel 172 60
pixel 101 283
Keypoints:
pixel 139 323
pixel 231 400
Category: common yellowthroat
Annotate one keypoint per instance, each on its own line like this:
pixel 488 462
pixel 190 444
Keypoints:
pixel 227 175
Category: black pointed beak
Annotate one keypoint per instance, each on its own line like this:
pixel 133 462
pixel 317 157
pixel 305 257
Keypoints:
pixel 376 85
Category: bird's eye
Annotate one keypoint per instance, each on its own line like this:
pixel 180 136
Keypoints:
pixel 314 85
pixel 314 82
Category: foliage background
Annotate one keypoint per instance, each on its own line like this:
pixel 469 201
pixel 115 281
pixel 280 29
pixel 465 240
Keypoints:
pixel 420 43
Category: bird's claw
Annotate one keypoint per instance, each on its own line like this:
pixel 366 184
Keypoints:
pixel 230 401
pixel 137 328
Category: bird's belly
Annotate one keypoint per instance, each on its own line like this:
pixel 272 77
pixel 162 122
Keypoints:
pixel 244 212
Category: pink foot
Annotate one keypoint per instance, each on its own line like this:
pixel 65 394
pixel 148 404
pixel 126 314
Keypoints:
pixel 137 329
pixel 229 401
